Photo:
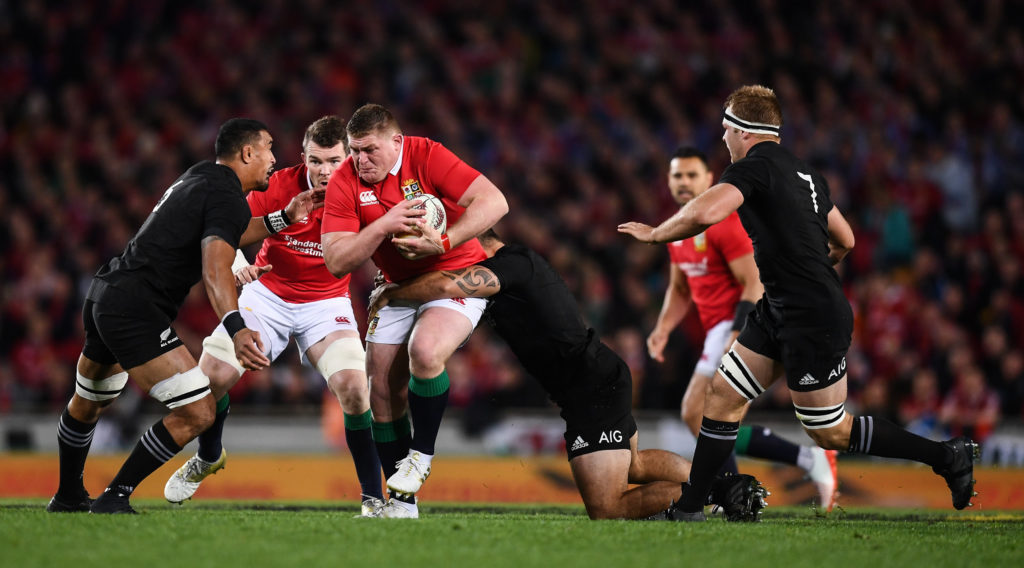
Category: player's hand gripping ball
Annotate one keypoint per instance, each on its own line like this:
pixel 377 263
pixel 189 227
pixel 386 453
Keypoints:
pixel 435 217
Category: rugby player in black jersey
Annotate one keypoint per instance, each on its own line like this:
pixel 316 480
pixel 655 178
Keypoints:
pixel 191 234
pixel 532 309
pixel 801 327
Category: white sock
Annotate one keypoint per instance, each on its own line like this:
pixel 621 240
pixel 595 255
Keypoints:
pixel 806 458
pixel 423 458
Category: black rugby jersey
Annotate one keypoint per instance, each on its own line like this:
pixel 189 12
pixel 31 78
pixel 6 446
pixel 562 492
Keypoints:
pixel 164 259
pixel 785 212
pixel 537 315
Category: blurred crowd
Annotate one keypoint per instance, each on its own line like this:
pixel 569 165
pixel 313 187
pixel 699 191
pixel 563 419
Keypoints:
pixel 911 108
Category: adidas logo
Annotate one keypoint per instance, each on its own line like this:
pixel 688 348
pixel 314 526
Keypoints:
pixel 579 444
pixel 808 380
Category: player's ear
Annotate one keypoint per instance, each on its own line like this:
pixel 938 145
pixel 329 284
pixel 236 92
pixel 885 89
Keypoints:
pixel 246 153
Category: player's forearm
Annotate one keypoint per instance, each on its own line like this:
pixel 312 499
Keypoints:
pixel 673 309
pixel 425 288
pixel 217 276
pixel 345 252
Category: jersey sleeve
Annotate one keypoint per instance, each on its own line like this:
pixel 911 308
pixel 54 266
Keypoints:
pixel 226 215
pixel 511 266
pixel 730 238
pixel 340 214
pixel 447 173
pixel 749 175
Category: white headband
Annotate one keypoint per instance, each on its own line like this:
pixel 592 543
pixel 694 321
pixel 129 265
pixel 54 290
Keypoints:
pixel 751 127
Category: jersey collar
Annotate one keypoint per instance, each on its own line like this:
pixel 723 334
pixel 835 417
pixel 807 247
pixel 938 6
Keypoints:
pixel 398 162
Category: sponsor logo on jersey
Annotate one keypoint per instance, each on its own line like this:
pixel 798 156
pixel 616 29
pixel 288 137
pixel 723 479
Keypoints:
pixel 807 380
pixel 700 243
pixel 367 198
pixel 411 189
pixel 342 319
pixel 310 248
pixel 578 444
pixel 695 269
pixel 610 436
pixel 838 371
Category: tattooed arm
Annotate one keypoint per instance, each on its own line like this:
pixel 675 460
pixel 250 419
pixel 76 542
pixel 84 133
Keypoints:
pixel 470 282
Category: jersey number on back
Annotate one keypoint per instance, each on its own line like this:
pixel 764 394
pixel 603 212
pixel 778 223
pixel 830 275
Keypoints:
pixel 814 194
pixel 166 195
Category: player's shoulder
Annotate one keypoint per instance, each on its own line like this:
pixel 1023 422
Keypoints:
pixel 289 176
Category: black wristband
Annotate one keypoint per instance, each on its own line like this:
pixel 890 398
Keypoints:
pixel 276 222
pixel 233 322
pixel 743 307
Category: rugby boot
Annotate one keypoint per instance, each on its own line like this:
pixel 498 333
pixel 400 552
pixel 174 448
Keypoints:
pixel 182 485
pixel 112 502
pixel 674 514
pixel 739 496
pixel 959 473
pixel 75 504
pixel 372 507
pixel 395 509
pixel 413 470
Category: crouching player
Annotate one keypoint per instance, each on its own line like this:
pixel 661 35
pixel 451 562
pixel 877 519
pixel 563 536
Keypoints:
pixel 533 310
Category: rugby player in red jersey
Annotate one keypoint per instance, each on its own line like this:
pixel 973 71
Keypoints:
pixel 370 199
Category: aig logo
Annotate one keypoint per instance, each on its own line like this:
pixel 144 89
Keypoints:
pixel 367 198
pixel 610 436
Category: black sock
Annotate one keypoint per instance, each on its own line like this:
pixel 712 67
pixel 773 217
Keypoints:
pixel 879 437
pixel 428 399
pixel 714 444
pixel 760 442
pixel 152 450
pixel 359 437
pixel 211 441
pixel 729 465
pixel 73 441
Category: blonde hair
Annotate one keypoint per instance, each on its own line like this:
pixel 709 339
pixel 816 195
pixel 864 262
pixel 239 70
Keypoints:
pixel 755 104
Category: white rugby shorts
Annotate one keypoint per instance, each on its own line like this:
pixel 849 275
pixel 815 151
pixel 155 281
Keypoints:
pixel 277 320
pixel 393 324
pixel 714 348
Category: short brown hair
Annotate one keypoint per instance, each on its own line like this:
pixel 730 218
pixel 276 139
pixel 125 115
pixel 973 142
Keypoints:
pixel 755 103
pixel 326 131
pixel 371 118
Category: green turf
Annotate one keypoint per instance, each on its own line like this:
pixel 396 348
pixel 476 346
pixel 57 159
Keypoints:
pixel 250 535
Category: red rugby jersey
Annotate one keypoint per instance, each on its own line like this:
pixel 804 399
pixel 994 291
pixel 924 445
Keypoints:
pixel 424 166
pixel 704 259
pixel 299 275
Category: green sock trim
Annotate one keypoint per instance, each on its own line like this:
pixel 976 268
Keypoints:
pixel 391 431
pixel 429 387
pixel 223 403
pixel 358 421
pixel 743 440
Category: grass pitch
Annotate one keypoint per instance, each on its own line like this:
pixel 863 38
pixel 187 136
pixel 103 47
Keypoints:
pixel 255 534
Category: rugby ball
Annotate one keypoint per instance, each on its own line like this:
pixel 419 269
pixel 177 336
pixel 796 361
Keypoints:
pixel 436 216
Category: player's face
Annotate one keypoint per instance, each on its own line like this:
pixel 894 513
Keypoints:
pixel 375 154
pixel 733 141
pixel 262 159
pixel 687 178
pixel 321 162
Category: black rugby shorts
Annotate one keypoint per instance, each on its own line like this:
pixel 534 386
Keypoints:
pixel 813 355
pixel 122 328
pixel 598 409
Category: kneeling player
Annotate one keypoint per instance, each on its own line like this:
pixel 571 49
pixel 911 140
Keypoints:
pixel 533 310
